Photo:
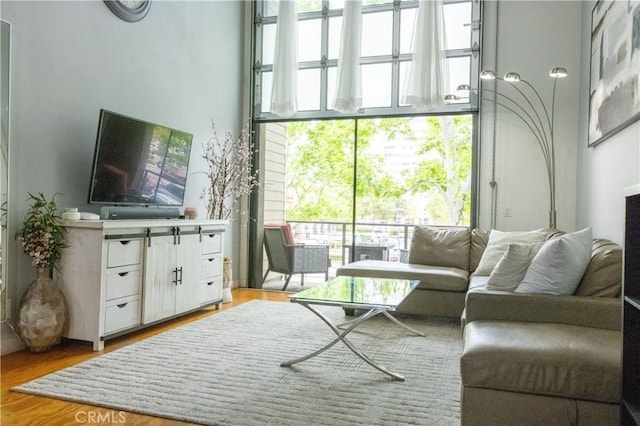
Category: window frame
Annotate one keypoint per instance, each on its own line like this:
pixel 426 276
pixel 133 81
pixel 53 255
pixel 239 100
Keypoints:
pixel 395 59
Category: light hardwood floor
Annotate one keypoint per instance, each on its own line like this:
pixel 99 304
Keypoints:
pixel 20 409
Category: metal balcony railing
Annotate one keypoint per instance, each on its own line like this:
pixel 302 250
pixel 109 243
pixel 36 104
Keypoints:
pixel 381 241
pixel 375 241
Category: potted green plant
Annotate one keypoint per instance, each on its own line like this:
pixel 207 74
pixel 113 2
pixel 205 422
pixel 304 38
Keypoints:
pixel 43 312
pixel 230 177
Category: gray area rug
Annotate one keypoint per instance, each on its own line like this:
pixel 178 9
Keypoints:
pixel 225 370
pixel 276 282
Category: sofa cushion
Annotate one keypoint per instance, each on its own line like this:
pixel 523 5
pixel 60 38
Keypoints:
pixel 603 277
pixel 498 243
pixel 440 247
pixel 512 267
pixel 430 277
pixel 559 265
pixel 479 240
pixel 541 358
pixel 478 282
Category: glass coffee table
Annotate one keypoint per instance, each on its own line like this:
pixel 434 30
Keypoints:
pixel 373 295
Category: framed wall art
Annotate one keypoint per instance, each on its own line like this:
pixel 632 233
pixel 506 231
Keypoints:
pixel 614 89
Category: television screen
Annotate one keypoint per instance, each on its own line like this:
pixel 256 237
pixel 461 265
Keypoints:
pixel 138 163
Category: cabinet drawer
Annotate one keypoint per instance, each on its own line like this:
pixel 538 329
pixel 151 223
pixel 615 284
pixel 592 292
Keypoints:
pixel 211 290
pixel 211 243
pixel 123 283
pixel 121 316
pixel 211 267
pixel 124 252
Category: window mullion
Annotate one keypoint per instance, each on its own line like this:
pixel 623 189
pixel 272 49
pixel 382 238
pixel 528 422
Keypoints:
pixel 324 54
pixel 383 7
pixel 457 53
pixel 395 49
pixel 257 60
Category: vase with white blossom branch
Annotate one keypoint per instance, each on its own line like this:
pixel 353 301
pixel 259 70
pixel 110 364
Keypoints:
pixel 230 176
pixel 230 171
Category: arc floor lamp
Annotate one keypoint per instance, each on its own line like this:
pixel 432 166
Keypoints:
pixel 527 104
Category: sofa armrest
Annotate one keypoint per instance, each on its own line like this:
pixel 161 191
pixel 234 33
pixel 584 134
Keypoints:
pixel 596 312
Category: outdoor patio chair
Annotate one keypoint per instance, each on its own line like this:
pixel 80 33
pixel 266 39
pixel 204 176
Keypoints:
pixel 287 257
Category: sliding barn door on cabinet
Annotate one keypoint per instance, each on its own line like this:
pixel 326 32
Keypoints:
pixel 172 276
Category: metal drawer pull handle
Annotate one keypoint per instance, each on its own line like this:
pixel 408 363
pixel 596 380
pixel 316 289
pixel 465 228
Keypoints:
pixel 122 305
pixel 210 283
pixel 125 242
pixel 123 274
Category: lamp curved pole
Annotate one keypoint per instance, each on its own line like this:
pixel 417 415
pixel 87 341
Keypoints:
pixel 545 134
pixel 532 123
pixel 549 160
pixel 545 153
pixel 540 137
pixel 552 178
pixel 526 98
pixel 553 155
pixel 550 141
pixel 544 108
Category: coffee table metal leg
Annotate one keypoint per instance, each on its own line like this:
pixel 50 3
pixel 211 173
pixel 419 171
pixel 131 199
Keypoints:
pixel 403 325
pixel 392 318
pixel 342 338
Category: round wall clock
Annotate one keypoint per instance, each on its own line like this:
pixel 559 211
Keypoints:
pixel 129 10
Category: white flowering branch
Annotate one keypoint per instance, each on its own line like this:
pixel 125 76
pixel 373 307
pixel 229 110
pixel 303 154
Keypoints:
pixel 229 174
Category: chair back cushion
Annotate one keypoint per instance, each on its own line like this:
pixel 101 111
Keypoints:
pixel 278 251
pixel 286 229
pixel 288 234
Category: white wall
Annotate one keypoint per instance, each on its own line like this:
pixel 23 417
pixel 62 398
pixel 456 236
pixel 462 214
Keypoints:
pixel 533 37
pixel 606 169
pixel 181 66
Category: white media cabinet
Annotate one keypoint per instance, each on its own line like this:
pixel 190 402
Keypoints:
pixel 122 275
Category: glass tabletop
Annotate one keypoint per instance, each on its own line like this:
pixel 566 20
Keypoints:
pixel 357 292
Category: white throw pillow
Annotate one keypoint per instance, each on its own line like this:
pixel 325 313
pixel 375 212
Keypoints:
pixel 498 244
pixel 559 265
pixel 513 265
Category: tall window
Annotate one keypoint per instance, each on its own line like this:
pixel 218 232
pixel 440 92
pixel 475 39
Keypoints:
pixel 365 183
pixel 370 177
pixel 387 31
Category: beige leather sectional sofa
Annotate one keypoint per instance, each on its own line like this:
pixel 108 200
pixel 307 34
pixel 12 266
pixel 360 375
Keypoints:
pixel 527 358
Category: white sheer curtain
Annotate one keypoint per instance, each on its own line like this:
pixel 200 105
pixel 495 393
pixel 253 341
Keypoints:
pixel 427 79
pixel 284 91
pixel 349 85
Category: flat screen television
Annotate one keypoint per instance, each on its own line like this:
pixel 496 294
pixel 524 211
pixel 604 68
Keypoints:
pixel 137 163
